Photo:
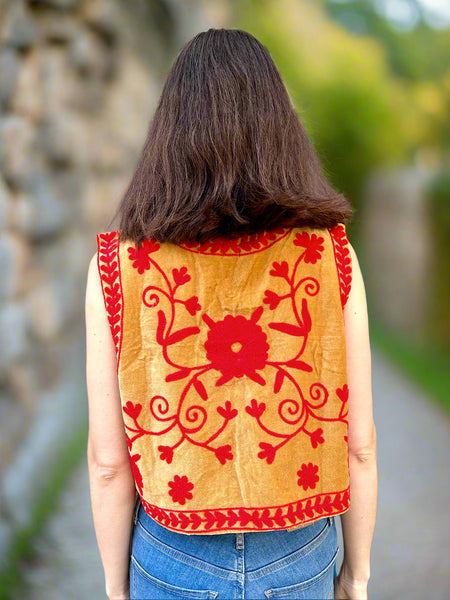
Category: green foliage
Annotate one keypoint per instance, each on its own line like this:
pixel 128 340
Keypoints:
pixel 419 53
pixel 439 205
pixel 357 115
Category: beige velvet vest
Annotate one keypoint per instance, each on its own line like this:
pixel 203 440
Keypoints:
pixel 232 374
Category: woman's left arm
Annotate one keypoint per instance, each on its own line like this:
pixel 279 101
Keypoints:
pixel 111 480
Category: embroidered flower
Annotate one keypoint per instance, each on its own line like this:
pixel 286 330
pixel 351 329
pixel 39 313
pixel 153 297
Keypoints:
pixel 180 489
pixel 136 472
pixel 237 346
pixel 166 453
pixel 181 276
pixel 132 410
pixel 313 246
pixel 140 255
pixel 272 299
pixel 280 269
pixel 192 304
pixel 223 453
pixel 307 476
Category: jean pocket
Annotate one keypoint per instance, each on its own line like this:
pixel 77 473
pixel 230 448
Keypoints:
pixel 318 587
pixel 144 585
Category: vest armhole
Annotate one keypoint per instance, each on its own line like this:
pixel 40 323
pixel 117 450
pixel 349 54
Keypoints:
pixel 343 260
pixel 108 264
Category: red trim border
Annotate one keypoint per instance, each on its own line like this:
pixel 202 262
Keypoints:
pixel 246 244
pixel 343 261
pixel 108 264
pixel 268 518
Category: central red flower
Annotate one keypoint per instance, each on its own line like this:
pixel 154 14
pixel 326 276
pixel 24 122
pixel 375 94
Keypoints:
pixel 237 346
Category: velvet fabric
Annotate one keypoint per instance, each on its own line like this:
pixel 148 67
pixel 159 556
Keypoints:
pixel 232 374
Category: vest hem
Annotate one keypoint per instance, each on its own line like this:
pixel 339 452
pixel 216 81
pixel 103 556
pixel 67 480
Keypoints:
pixel 247 519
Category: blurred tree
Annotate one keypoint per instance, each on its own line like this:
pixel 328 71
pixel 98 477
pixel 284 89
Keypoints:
pixel 357 113
pixel 415 50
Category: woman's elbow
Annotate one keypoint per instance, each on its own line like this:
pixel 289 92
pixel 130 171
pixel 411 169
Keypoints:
pixel 364 451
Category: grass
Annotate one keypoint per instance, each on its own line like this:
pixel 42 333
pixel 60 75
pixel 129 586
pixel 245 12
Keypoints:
pixel 11 582
pixel 425 366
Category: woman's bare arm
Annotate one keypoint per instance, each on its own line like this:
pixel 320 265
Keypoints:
pixel 111 481
pixel 359 521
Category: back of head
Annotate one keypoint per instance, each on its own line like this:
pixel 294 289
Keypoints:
pixel 226 153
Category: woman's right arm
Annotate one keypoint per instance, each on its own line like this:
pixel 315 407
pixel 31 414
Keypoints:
pixel 359 521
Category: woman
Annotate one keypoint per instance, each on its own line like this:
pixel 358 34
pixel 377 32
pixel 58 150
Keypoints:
pixel 228 360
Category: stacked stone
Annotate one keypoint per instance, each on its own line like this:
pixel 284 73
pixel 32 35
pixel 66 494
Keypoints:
pixel 79 80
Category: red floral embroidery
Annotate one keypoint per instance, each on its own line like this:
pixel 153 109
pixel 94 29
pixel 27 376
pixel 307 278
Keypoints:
pixel 109 269
pixel 140 256
pixel 317 437
pixel 132 410
pixel 259 519
pixel 307 476
pixel 224 453
pixel 180 489
pixel 136 472
pixel 247 244
pixel 237 346
pixel 166 453
pixel 192 305
pixel 343 261
pixel 313 246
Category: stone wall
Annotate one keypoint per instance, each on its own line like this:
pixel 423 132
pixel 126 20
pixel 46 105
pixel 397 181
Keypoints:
pixel 79 81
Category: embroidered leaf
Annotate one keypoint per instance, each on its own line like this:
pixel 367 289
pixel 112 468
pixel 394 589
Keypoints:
pixel 306 317
pixel 179 335
pixel 178 374
pixel 299 364
pixel 161 326
pixel 288 328
pixel 244 517
pixel 256 377
pixel 195 520
pixel 278 382
pixel 201 390
pixel 232 517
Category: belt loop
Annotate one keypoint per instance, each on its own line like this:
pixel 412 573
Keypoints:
pixel 239 541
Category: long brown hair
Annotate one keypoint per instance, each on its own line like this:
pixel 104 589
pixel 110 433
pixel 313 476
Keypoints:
pixel 225 152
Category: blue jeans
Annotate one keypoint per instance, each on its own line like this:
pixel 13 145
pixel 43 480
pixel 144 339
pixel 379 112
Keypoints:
pixel 231 566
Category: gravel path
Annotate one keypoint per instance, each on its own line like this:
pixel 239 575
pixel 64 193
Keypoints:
pixel 412 543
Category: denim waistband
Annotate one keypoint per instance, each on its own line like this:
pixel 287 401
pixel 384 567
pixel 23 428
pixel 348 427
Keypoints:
pixel 257 545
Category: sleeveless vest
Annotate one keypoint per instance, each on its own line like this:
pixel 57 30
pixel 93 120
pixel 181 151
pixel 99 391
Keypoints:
pixel 232 374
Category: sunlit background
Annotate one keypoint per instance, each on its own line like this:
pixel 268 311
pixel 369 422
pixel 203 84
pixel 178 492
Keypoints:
pixel 79 80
